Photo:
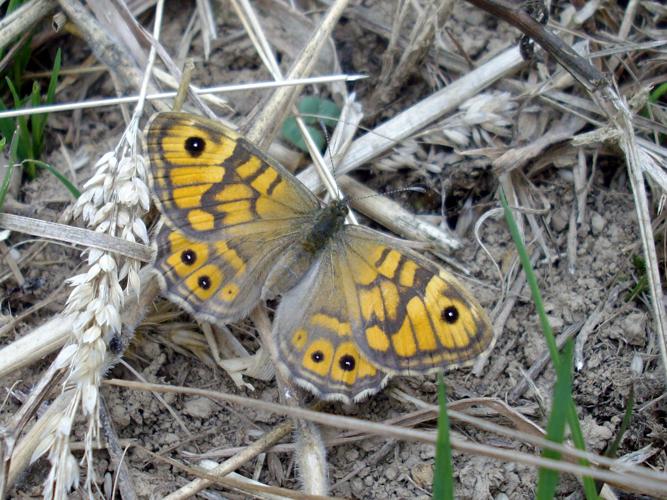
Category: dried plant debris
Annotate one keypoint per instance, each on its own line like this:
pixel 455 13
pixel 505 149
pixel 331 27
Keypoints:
pixel 449 114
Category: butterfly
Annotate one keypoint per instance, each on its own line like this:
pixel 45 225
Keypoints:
pixel 356 306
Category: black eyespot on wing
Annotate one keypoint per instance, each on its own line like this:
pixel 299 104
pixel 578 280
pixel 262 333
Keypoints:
pixel 204 282
pixel 347 362
pixel 317 356
pixel 188 257
pixel 195 146
pixel 450 315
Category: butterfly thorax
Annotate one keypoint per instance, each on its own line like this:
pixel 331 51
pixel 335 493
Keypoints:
pixel 328 221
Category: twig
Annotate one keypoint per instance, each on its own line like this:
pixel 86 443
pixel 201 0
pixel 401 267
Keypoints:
pixel 578 67
pixel 20 21
pixel 247 454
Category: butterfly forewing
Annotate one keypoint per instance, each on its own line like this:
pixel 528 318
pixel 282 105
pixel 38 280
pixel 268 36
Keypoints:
pixel 212 184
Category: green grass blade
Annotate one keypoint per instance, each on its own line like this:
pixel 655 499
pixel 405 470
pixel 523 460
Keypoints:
pixel 38 121
pixel 6 179
pixel 443 479
pixel 625 424
pixel 24 146
pixel 658 92
pixel 547 478
pixel 572 419
pixel 34 137
pixel 53 81
pixel 6 124
pixel 532 281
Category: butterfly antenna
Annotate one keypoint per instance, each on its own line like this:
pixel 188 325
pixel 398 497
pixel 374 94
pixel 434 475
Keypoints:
pixel 327 138
pixel 350 218
pixel 416 189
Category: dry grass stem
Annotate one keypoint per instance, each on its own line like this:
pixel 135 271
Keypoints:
pixel 204 91
pixel 20 21
pixel 123 479
pixel 395 217
pixel 128 77
pixel 382 138
pixel 279 104
pixel 34 346
pixel 78 236
pixel 621 117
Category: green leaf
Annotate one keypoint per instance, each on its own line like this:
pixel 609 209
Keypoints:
pixel 548 479
pixel 443 479
pixel 292 133
pixel 316 113
pixel 317 110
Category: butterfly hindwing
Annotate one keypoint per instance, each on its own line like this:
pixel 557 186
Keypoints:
pixel 313 336
pixel 413 317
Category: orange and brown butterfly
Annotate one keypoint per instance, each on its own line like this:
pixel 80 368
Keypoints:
pixel 355 307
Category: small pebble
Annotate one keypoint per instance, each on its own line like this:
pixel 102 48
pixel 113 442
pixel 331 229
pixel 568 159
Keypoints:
pixel 357 485
pixel 560 220
pixel 198 407
pixel 422 475
pixel 634 329
pixel 597 223
pixel 391 472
